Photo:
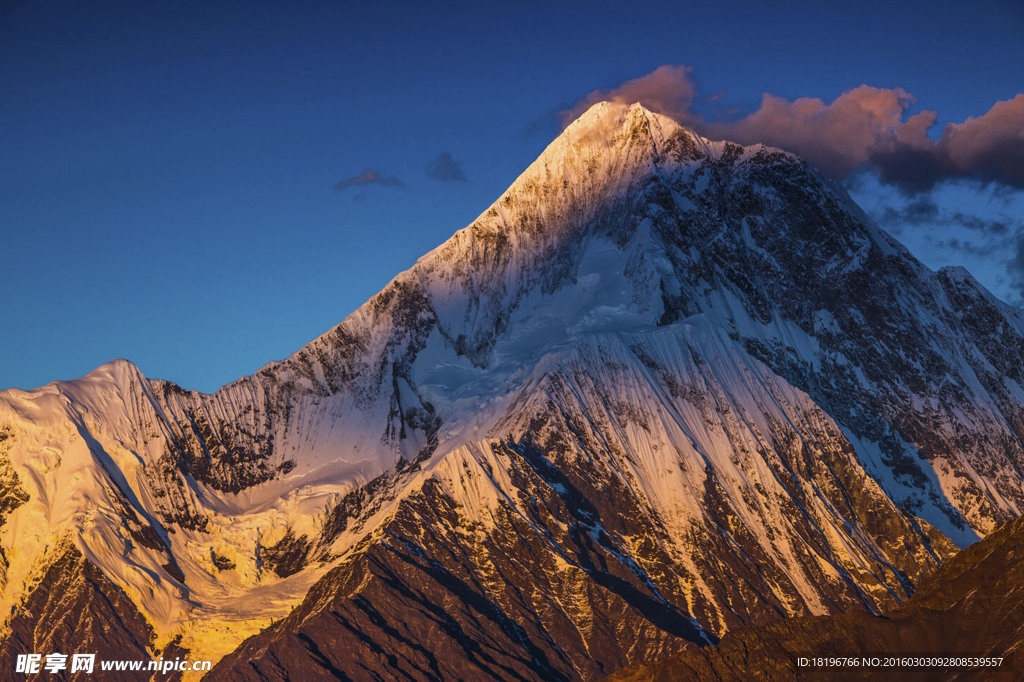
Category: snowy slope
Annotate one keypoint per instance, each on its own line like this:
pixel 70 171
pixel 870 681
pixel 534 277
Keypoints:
pixel 702 357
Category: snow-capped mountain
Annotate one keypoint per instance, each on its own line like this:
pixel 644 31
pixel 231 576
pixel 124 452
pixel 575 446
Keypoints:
pixel 661 388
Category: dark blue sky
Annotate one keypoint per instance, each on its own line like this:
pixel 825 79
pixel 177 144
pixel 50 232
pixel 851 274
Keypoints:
pixel 167 170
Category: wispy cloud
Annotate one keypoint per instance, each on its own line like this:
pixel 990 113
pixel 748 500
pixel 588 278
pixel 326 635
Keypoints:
pixel 919 211
pixel 1016 267
pixel 923 211
pixel 446 169
pixel 369 177
pixel 863 128
pixel 991 243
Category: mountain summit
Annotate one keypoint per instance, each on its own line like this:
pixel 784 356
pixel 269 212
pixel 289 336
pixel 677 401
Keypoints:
pixel 661 388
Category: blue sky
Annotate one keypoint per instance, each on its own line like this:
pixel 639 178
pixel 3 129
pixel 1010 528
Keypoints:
pixel 168 170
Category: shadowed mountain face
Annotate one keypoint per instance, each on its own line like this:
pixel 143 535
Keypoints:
pixel 972 606
pixel 661 389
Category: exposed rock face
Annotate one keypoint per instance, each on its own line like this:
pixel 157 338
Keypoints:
pixel 663 388
pixel 540 591
pixel 971 606
pixel 75 609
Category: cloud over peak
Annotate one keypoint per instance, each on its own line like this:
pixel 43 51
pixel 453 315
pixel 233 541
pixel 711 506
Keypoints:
pixel 863 128
pixel 667 90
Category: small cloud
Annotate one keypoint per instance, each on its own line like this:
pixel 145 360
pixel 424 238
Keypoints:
pixel 369 177
pixel 446 169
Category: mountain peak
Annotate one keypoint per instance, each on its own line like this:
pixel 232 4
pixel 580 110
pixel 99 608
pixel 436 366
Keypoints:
pixel 614 127
pixel 617 117
pixel 604 154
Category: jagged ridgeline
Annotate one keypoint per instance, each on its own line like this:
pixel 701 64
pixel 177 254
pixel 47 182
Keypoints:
pixel 663 388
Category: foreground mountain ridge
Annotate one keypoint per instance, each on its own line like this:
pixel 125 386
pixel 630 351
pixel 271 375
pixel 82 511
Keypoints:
pixel 662 388
pixel 969 608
